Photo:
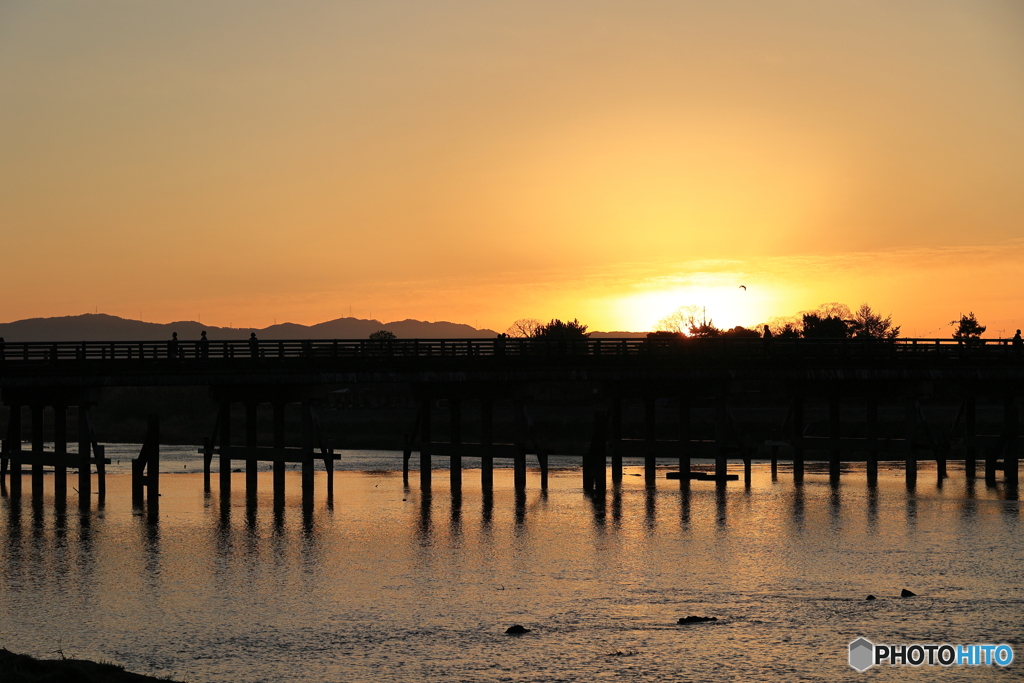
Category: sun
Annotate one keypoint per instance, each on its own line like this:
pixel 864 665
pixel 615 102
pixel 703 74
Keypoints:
pixel 724 304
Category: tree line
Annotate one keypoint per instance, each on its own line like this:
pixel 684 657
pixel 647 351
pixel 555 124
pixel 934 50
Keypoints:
pixel 827 321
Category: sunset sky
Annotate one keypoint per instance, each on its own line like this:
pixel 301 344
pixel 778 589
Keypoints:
pixel 249 161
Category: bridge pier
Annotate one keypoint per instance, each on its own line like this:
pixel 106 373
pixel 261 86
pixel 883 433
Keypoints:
pixel 798 437
pixel 970 446
pixel 426 406
pixel 60 399
pixel 455 439
pixel 279 454
pixel 721 436
pixel 616 437
pixel 251 464
pixel 871 426
pixel 684 441
pixel 278 396
pixel 910 426
pixel 1011 456
pixel 60 451
pixel 37 451
pixel 650 436
pixel 521 436
pixel 835 437
pixel 486 442
pixel 14 447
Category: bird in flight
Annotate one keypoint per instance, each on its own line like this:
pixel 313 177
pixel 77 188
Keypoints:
pixel 743 287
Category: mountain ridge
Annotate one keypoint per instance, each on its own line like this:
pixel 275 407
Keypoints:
pixel 105 327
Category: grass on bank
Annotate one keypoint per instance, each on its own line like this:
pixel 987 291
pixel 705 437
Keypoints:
pixel 15 668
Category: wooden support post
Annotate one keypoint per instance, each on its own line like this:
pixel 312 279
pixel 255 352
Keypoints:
pixel 871 418
pixel 798 438
pixel 650 457
pixel 486 441
pixel 721 437
pixel 426 466
pixel 307 452
pixel 455 439
pixel 37 451
pixel 279 464
pixel 225 448
pixel 84 461
pixel 542 462
pixel 616 438
pixel 970 446
pixel 410 440
pixel 684 442
pixel 14 448
pixel 519 463
pixel 329 468
pixel 146 467
pixel 1012 429
pixel 835 437
pixel 251 442
pixel 207 459
pixel 153 469
pixel 60 450
pixel 910 420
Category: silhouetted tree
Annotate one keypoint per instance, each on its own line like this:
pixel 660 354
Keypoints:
pixel 556 329
pixel 524 328
pixel 740 331
pixel 664 334
pixel 690 321
pixel 382 335
pixel 866 324
pixel 968 329
pixel 823 327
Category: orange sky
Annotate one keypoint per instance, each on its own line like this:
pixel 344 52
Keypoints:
pixel 248 161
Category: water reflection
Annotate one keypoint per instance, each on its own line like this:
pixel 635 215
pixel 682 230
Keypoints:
pixel 798 506
pixel 263 574
pixel 598 508
pixel 721 505
pixel 872 509
pixel 650 508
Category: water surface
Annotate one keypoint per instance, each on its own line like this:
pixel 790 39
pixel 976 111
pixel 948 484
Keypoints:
pixel 385 583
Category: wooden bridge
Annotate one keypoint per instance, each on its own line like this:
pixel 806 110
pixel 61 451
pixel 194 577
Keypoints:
pixel 706 374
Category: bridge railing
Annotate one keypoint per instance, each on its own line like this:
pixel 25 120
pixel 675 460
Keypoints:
pixel 191 351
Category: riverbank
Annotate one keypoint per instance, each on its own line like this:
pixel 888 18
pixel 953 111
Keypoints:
pixel 15 668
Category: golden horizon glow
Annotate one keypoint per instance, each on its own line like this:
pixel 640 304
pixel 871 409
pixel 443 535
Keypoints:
pixel 605 161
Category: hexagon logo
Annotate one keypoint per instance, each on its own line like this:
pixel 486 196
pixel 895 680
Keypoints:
pixel 862 654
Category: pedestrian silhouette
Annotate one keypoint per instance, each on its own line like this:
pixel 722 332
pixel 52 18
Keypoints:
pixel 766 341
pixel 254 345
pixel 204 345
pixel 1018 343
pixel 172 346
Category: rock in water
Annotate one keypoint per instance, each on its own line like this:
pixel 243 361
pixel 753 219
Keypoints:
pixel 907 594
pixel 695 620
pixel 870 597
pixel 513 630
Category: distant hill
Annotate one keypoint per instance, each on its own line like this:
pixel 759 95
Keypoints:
pixel 102 327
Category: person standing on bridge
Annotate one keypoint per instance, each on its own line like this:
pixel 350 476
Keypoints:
pixel 766 341
pixel 1018 344
pixel 204 346
pixel 254 345
pixel 172 347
